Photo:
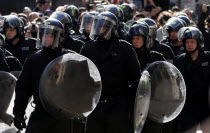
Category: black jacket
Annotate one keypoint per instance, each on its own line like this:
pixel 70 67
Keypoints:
pixel 178 50
pixel 117 64
pixel 22 49
pixel 72 44
pixel 197 78
pixel 28 82
pixel 205 31
pixel 163 49
pixel 146 57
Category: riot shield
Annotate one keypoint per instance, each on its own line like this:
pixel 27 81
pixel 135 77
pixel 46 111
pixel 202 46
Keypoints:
pixel 142 101
pixel 70 86
pixel 7 86
pixel 168 91
pixel 16 73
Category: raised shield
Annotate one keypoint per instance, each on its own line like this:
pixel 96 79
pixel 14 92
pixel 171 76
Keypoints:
pixel 7 86
pixel 168 91
pixel 70 86
pixel 142 101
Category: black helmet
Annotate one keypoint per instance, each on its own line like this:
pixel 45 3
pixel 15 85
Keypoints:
pixel 140 29
pixel 185 19
pixel 127 26
pixel 14 22
pixel 104 26
pixel 152 25
pixel 48 28
pixel 87 21
pixel 191 33
pixel 65 19
pixel 115 10
pixel 173 24
pixel 128 11
pixel 73 11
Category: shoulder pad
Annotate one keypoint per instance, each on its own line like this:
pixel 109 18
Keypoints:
pixel 125 42
pixel 155 52
pixel 30 39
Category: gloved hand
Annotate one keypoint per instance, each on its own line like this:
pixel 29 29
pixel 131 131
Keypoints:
pixel 19 121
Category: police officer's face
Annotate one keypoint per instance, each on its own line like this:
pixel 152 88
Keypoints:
pixel 48 40
pixel 137 41
pixel 173 35
pixel 88 28
pixel 10 33
pixel 191 44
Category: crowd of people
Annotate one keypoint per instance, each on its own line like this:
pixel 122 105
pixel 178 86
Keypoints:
pixel 121 40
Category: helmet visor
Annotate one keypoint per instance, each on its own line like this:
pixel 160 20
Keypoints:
pixel 48 36
pixel 102 26
pixel 86 24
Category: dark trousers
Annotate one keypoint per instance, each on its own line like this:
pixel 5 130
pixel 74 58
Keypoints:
pixel 42 122
pixel 109 117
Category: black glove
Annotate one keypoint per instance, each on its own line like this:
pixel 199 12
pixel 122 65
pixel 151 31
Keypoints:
pixel 19 121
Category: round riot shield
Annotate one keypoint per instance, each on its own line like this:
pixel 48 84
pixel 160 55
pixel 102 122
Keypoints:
pixel 168 91
pixel 7 86
pixel 142 101
pixel 70 86
pixel 16 73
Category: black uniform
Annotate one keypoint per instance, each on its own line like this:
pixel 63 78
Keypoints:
pixel 197 78
pixel 163 49
pixel 178 50
pixel 28 84
pixel 84 38
pixel 205 32
pixel 22 49
pixel 118 66
pixel 3 63
pixel 72 44
pixel 145 57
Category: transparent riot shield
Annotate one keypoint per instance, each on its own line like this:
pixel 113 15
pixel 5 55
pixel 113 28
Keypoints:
pixel 142 101
pixel 16 73
pixel 168 91
pixel 70 87
pixel 7 86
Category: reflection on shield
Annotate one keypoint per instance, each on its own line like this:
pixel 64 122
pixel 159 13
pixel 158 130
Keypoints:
pixel 70 87
pixel 142 101
pixel 16 73
pixel 7 86
pixel 168 91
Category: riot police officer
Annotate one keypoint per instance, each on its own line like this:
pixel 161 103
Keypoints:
pixel 68 42
pixel 128 11
pixel 28 83
pixel 13 63
pixel 139 37
pixel 171 29
pixel 154 44
pixel 119 67
pixel 73 12
pixel 16 43
pixel 195 68
pixel 86 25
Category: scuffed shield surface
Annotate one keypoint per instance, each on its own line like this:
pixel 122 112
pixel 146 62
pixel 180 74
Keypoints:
pixel 7 86
pixel 142 101
pixel 168 91
pixel 70 86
